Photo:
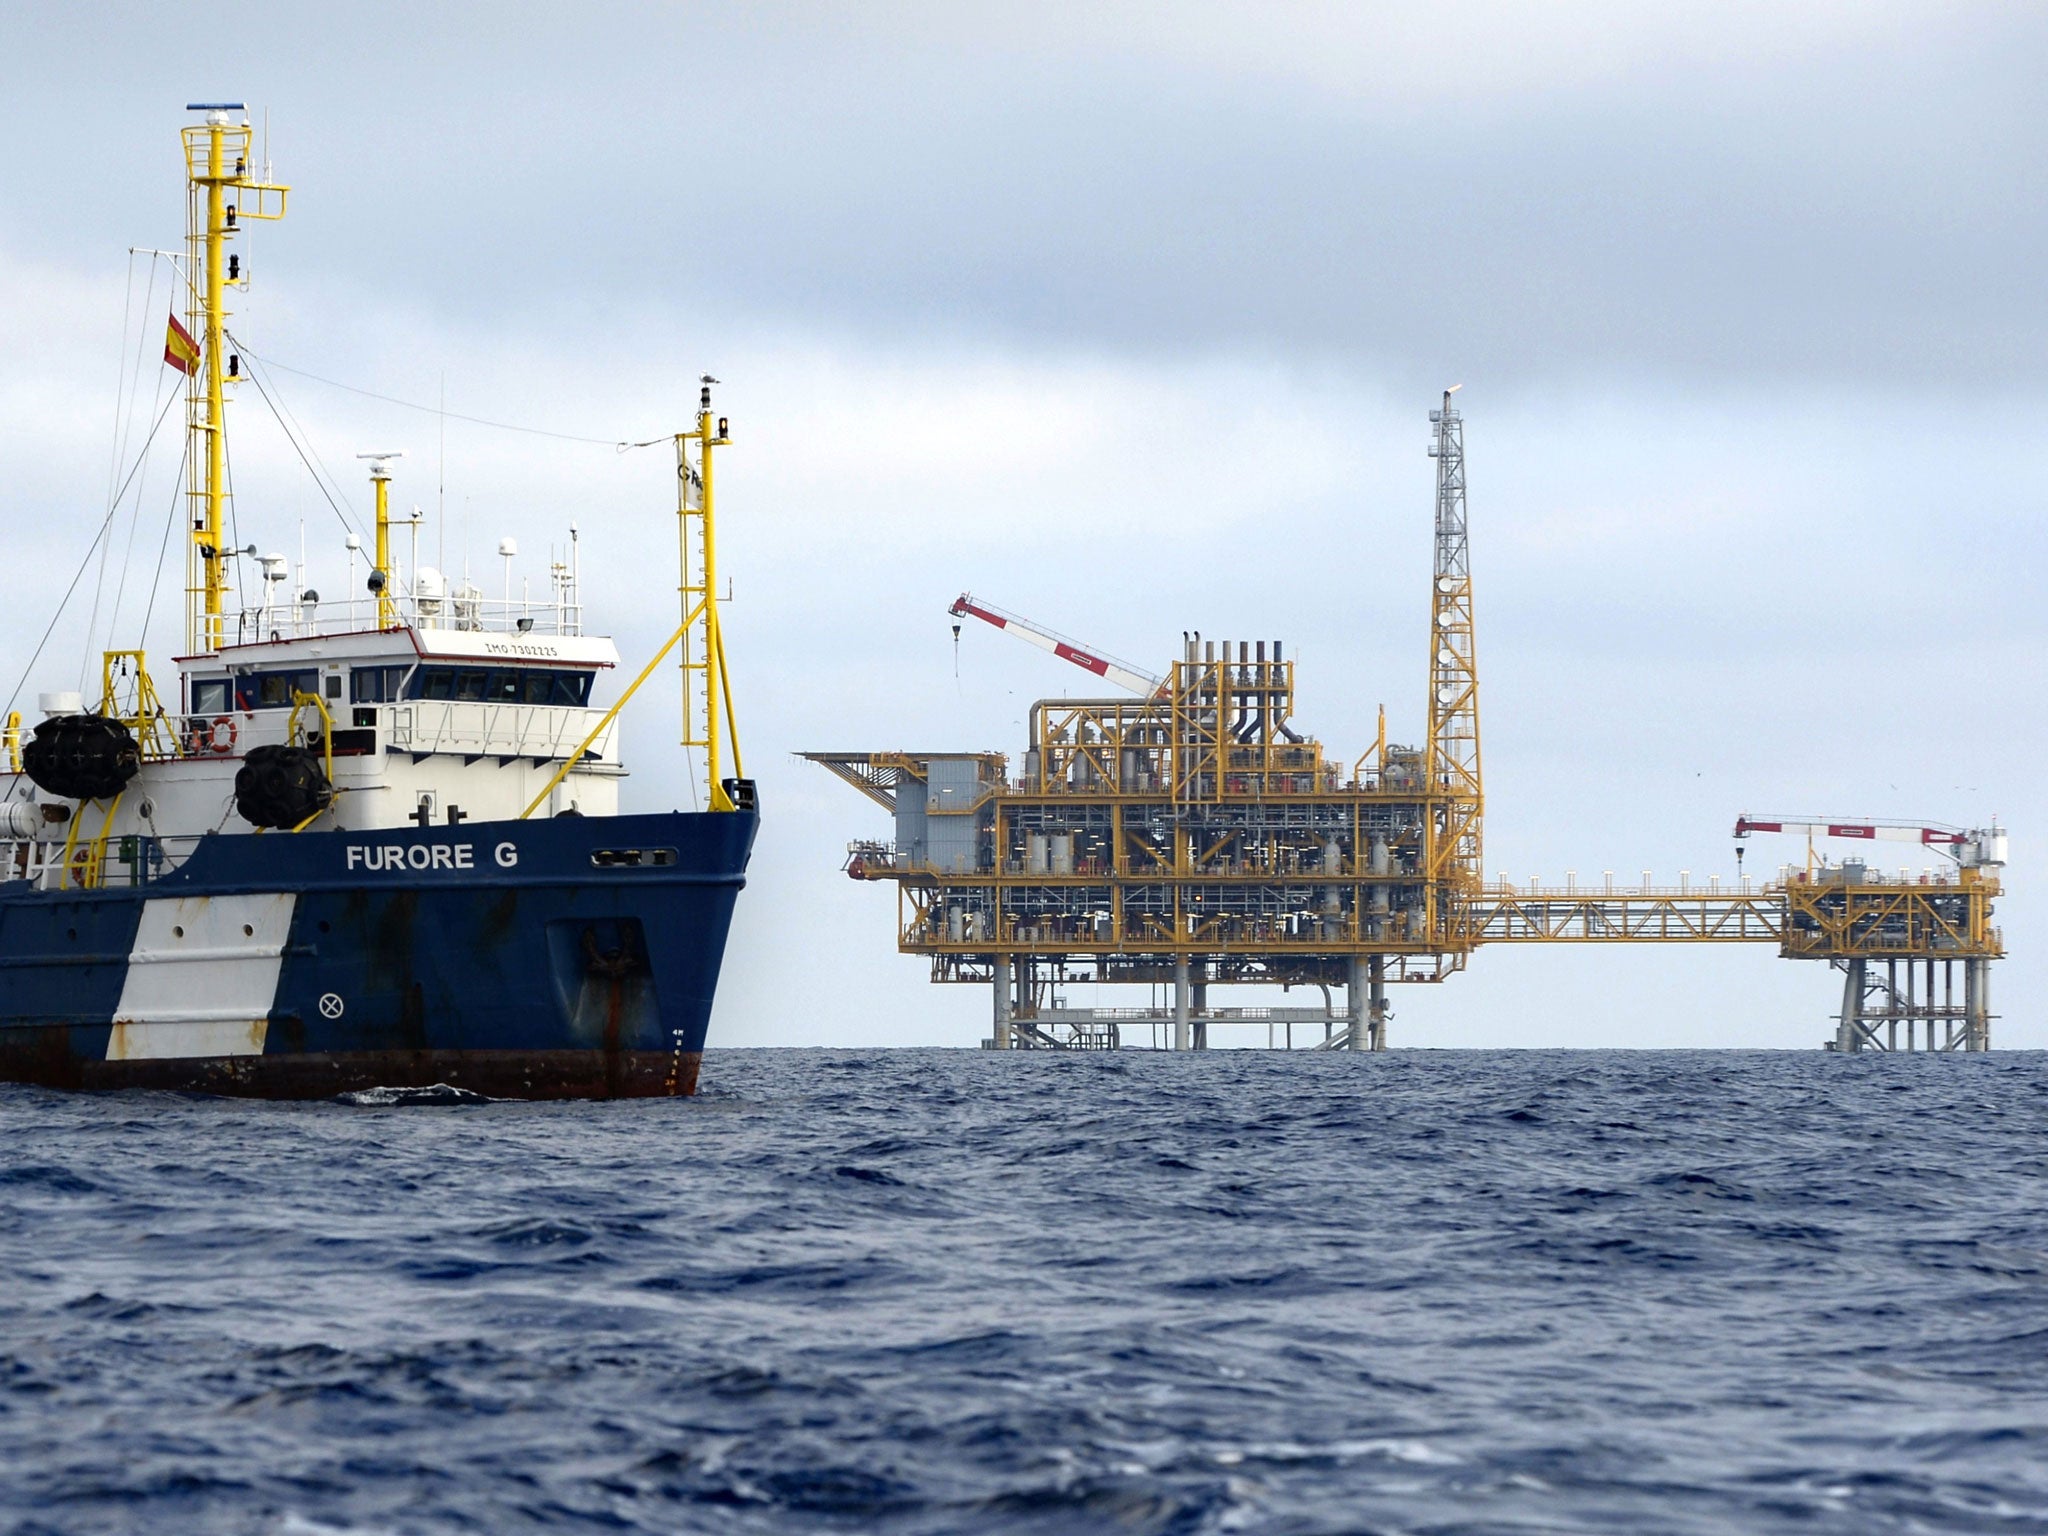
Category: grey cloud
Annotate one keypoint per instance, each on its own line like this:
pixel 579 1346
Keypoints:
pixel 1867 212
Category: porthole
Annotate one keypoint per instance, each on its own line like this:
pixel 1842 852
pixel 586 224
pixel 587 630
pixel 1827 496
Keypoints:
pixel 248 931
pixel 177 933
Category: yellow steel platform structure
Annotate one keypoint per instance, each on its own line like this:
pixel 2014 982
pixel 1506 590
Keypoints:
pixel 1193 836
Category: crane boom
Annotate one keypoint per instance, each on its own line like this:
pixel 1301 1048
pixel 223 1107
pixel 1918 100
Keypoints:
pixel 1978 848
pixel 1124 676
pixel 1880 831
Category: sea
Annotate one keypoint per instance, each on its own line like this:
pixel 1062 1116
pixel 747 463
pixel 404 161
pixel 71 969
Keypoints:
pixel 929 1291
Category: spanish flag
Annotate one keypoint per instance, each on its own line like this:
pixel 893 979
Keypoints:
pixel 180 350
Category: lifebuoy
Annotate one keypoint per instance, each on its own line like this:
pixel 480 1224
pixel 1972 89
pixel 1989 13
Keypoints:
pixel 213 737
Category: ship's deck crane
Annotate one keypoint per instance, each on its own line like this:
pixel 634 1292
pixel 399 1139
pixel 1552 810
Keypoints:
pixel 1144 684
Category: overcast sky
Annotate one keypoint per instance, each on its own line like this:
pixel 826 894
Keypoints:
pixel 1129 318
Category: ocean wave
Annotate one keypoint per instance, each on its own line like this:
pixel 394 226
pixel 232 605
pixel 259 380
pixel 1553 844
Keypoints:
pixel 952 1293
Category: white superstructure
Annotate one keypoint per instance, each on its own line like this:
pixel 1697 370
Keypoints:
pixel 421 724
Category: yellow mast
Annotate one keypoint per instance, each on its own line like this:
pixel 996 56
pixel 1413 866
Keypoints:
pixel 217 156
pixel 387 607
pixel 707 684
pixel 707 691
pixel 380 573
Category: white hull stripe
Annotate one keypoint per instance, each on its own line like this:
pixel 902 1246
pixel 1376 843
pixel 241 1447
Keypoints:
pixel 202 977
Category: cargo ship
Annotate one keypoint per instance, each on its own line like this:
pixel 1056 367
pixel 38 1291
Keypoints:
pixel 368 843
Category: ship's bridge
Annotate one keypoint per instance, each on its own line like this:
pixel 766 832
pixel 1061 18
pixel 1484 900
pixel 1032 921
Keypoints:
pixel 371 667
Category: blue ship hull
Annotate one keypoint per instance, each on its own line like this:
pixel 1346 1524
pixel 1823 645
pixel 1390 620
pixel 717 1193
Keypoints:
pixel 571 958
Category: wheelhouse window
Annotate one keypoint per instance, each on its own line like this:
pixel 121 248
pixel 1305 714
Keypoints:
pixel 274 690
pixel 503 685
pixel 570 688
pixel 212 695
pixel 377 685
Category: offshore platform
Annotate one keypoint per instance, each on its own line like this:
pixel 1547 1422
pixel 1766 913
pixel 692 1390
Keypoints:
pixel 1187 833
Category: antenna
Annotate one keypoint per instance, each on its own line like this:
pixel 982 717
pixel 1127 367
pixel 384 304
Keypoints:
pixel 576 577
pixel 441 485
pixel 418 516
pixel 508 548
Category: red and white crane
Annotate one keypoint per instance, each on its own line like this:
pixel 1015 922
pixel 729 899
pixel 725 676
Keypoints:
pixel 1978 846
pixel 1123 675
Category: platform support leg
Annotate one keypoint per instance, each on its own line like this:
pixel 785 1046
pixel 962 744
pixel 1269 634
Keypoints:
pixel 1376 1003
pixel 1181 989
pixel 1849 1034
pixel 1198 1009
pixel 1977 1005
pixel 1358 1037
pixel 1003 1040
